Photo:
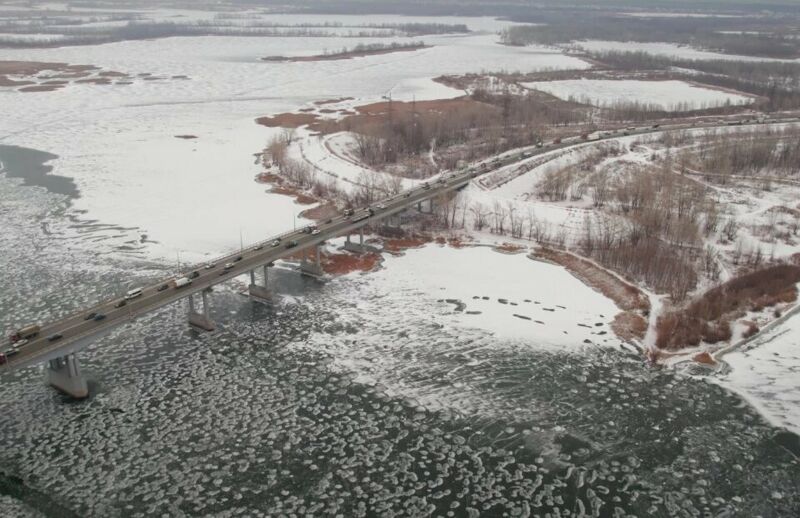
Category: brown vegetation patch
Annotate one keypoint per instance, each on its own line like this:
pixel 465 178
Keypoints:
pixel 320 212
pixel 356 53
pixel 279 187
pixel 40 75
pixel 509 248
pixel 344 263
pixel 625 296
pixel 45 88
pixel 629 326
pixel 287 120
pixel 404 243
pixel 708 317
pixel 704 358
pixel 186 137
pixel 333 101
pixel 95 80
pixel 299 197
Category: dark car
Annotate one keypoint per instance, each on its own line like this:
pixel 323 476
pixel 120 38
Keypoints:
pixel 90 316
pixel 238 258
pixel 99 317
pixel 348 212
pixel 291 244
pixel 163 287
pixel 121 303
pixel 53 338
pixel 194 275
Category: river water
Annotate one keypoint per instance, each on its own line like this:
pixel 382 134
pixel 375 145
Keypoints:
pixel 260 419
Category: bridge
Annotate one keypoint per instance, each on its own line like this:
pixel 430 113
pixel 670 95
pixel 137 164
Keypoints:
pixel 57 343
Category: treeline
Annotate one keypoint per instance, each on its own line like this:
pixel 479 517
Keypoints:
pixel 708 317
pixel 770 151
pixel 777 82
pixel 25 36
pixel 726 35
pixel 652 225
pixel 495 123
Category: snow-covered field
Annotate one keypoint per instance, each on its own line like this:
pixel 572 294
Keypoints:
pixel 766 372
pixel 669 95
pixel 193 196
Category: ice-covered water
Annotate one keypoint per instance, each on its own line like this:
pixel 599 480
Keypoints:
pixel 367 396
pixel 345 400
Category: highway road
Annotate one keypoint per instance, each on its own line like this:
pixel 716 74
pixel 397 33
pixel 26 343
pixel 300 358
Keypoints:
pixel 76 330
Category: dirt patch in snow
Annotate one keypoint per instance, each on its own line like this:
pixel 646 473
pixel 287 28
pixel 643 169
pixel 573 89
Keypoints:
pixel 704 358
pixel 397 245
pixel 287 120
pixel 509 248
pixel 629 326
pixel 320 212
pixel 344 263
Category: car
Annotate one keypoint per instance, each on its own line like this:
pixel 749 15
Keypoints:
pixel 20 343
pixel 425 185
pixel 210 266
pixel 121 303
pixel 275 242
pixel 132 294
pixel 163 287
pixel 228 266
pixel 407 195
pixel 380 206
pixel 259 247
pixel 99 317
pixel 194 275
pixel 53 338
pixel 3 359
pixel 12 352
pixel 328 221
pixel 348 212
pixel 291 244
pixel 237 258
pixel 90 316
pixel 315 232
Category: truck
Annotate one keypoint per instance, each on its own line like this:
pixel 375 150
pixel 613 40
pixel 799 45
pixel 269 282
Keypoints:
pixel 25 333
pixel 180 282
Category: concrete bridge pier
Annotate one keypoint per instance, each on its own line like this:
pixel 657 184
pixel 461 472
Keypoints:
pixel 260 292
pixel 312 269
pixel 356 248
pixel 420 206
pixel 64 374
pixel 201 320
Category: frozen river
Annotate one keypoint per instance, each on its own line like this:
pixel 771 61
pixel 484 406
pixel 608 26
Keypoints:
pixel 370 395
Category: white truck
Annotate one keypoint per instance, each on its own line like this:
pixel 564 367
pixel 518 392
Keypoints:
pixel 181 282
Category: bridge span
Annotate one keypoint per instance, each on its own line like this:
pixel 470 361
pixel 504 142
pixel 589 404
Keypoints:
pixel 57 343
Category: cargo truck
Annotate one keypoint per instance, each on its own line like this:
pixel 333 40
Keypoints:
pixel 26 333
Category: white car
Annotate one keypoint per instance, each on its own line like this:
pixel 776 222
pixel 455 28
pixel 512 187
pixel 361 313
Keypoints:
pixel 315 232
pixel 132 294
